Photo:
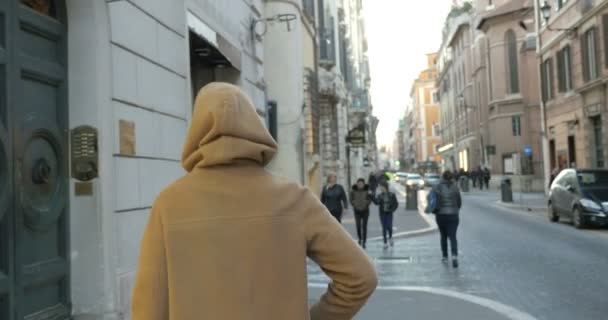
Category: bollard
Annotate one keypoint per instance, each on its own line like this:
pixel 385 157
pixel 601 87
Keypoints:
pixel 506 192
pixel 411 198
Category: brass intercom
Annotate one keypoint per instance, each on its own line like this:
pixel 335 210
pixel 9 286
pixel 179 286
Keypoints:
pixel 85 156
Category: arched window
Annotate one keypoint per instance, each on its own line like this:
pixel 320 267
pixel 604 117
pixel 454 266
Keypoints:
pixel 512 65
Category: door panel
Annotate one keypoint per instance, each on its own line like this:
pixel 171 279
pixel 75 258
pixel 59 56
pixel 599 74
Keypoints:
pixel 35 55
pixel 7 279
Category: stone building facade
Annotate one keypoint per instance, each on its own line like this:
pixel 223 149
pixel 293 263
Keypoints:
pixel 575 67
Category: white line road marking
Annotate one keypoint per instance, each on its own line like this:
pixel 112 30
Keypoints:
pixel 502 309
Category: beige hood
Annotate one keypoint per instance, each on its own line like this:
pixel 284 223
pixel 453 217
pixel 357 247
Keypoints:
pixel 226 130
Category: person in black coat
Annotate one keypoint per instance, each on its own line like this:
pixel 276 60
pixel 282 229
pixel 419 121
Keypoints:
pixel 449 202
pixel 334 197
pixel 373 183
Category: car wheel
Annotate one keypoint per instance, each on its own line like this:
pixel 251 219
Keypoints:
pixel 577 219
pixel 553 216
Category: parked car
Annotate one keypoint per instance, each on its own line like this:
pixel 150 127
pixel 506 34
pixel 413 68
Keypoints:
pixel 414 180
pixel 400 177
pixel 431 179
pixel 580 195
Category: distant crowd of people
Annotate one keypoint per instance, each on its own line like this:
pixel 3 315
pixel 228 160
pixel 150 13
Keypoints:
pixel 480 177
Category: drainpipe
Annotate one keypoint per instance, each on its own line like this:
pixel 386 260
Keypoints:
pixel 543 109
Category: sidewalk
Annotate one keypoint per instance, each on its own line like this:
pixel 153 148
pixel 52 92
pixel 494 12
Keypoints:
pixel 428 304
pixel 406 222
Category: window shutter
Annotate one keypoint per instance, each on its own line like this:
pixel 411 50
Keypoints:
pixel 597 52
pixel 585 57
pixel 551 77
pixel 568 68
pixel 560 71
pixel 544 80
pixel 605 37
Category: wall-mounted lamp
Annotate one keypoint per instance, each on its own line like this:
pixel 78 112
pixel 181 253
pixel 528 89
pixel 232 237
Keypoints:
pixel 545 11
pixel 281 18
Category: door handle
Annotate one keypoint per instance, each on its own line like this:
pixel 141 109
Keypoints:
pixel 41 172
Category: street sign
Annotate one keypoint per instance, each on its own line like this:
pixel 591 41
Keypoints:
pixel 356 136
pixel 528 150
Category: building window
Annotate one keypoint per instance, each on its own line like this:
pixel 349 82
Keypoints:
pixel 547 79
pixel 599 141
pixel 516 125
pixel 564 70
pixel 605 26
pixel 436 129
pixel 309 8
pixel 590 53
pixel 436 97
pixel 512 64
pixel 560 4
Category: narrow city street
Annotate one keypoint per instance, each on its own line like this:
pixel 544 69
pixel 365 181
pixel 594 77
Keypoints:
pixel 513 265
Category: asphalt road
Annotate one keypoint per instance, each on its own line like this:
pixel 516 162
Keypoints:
pixel 519 259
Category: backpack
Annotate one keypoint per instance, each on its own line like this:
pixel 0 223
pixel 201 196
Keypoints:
pixel 432 202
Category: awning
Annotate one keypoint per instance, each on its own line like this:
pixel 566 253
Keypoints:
pixel 226 49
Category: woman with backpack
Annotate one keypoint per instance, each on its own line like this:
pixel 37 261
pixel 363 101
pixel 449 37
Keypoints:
pixel 447 209
pixel 360 199
pixel 387 204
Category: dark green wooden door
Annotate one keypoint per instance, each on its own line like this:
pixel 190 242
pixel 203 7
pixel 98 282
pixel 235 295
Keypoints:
pixel 34 264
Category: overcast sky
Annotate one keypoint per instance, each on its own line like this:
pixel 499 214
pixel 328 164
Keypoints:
pixel 400 34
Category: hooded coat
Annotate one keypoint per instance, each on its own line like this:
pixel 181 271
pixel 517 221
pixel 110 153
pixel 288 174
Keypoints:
pixel 229 240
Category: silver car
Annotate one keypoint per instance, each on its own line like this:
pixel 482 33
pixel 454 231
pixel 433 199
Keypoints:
pixel 415 181
pixel 431 179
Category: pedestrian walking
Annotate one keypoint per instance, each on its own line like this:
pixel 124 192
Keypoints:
pixel 447 215
pixel 228 239
pixel 373 183
pixel 334 197
pixel 387 204
pixel 360 199
pixel 475 176
pixel 480 177
pixel 486 177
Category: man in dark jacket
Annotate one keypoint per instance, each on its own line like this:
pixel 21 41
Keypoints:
pixel 360 199
pixel 486 177
pixel 334 197
pixel 448 204
pixel 474 176
pixel 373 183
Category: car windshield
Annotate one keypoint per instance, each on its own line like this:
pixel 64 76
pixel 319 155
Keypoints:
pixel 413 176
pixel 432 176
pixel 593 179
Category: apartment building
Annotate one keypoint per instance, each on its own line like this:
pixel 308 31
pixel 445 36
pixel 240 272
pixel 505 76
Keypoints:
pixel 574 70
